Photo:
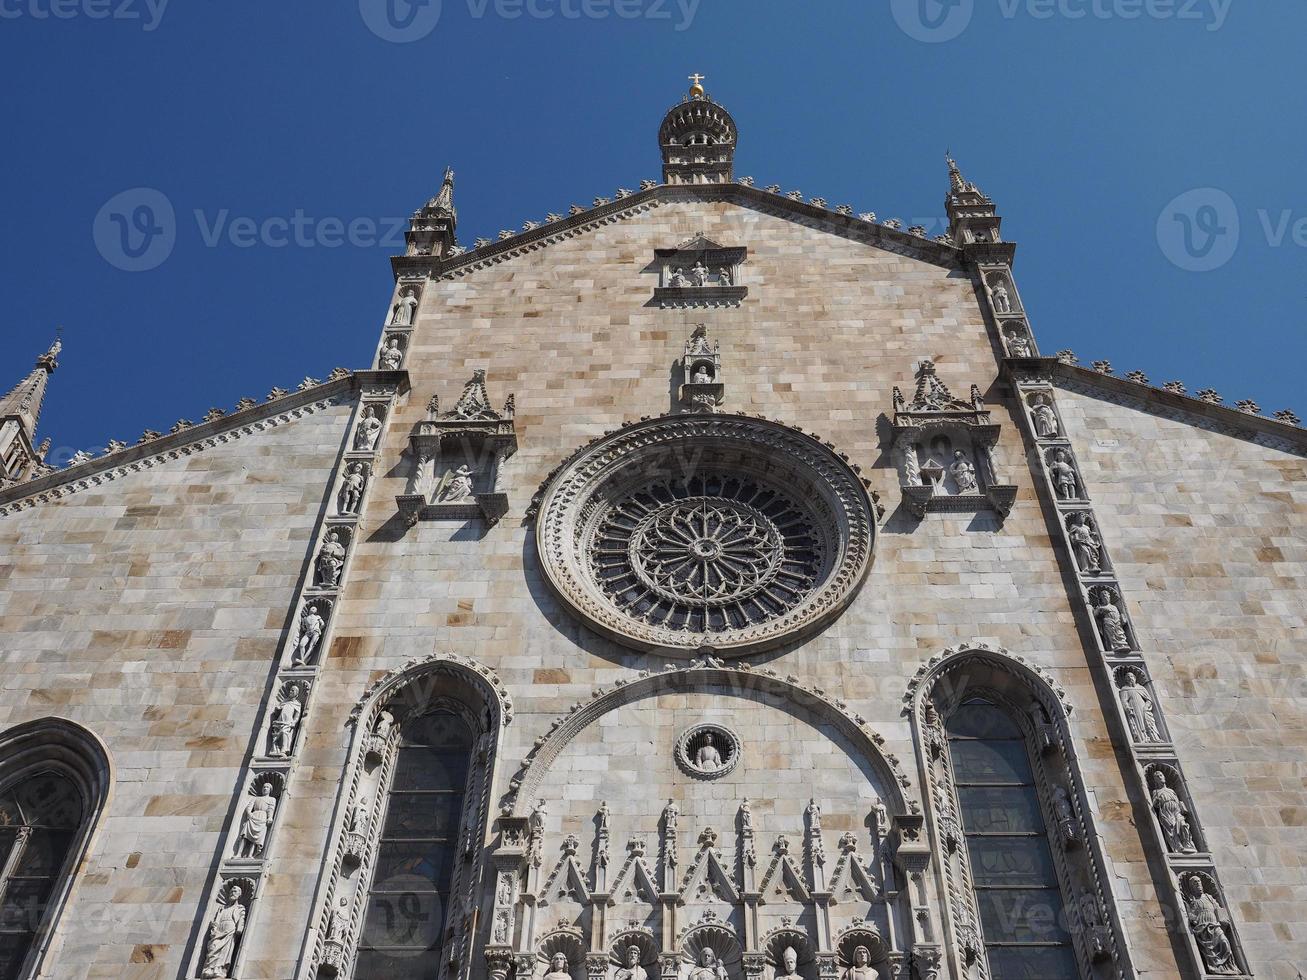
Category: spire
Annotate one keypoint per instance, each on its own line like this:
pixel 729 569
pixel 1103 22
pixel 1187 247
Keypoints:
pixel 20 410
pixel 698 138
pixel 431 229
pixel 972 216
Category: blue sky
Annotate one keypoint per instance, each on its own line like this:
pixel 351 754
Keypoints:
pixel 1084 119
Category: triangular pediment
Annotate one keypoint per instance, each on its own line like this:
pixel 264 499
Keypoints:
pixel 783 880
pixel 699 243
pixel 635 883
pixel 708 880
pixel 851 882
pixel 566 883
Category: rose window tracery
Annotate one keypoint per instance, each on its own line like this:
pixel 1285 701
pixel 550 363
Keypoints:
pixel 690 533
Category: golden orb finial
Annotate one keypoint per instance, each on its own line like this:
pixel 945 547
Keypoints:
pixel 696 86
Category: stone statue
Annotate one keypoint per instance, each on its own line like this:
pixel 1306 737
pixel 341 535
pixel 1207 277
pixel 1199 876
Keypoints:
pixel 709 968
pixel 670 814
pixel 789 965
pixel 1172 815
pixel 255 822
pixel 699 273
pixel 1045 418
pixel 351 490
pixel 1064 476
pixel 1066 815
pixel 558 968
pixel 391 356
pixel 631 968
pixel 1111 623
pixel 223 934
pixel 1086 545
pixel 1018 344
pixel 724 277
pixel 356 822
pixel 1137 704
pixel 331 560
pixel 338 923
pixel 708 758
pixel 678 279
pixel 701 375
pixel 285 721
pixel 964 474
pixel 459 486
pixel 1002 301
pixel 1206 921
pixel 369 428
pixel 402 312
pixel 861 968
pixel 385 722
pixel 310 638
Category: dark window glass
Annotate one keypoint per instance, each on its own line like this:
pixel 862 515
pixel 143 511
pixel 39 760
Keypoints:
pixel 403 926
pixel 38 823
pixel 1017 892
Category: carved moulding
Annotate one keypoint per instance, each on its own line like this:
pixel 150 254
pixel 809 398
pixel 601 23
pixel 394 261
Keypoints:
pixel 445 681
pixel 1039 706
pixel 640 533
pixel 526 784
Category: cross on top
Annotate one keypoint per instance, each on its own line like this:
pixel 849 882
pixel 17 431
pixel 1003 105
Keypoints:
pixel 697 79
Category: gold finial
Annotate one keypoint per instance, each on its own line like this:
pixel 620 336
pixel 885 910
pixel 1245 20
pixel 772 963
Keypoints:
pixel 696 86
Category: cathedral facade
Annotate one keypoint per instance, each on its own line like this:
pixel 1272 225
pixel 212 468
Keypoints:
pixel 711 583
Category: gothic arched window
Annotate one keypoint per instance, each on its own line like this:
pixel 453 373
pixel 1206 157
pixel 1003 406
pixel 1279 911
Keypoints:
pixel 408 899
pixel 1022 913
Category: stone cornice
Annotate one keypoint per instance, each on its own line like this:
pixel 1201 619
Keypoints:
pixel 132 459
pixel 1226 420
pixel 779 205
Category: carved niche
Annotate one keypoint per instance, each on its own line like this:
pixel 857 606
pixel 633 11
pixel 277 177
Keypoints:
pixel 702 389
pixel 455 458
pixel 944 447
pixel 699 272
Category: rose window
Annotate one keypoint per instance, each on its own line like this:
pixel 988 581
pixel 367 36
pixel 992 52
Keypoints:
pixel 705 532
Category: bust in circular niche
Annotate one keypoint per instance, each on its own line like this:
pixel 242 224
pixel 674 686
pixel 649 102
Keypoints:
pixel 708 751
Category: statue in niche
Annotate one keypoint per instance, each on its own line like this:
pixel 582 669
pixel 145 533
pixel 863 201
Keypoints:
pixel 861 968
pixel 351 490
pixel 702 375
pixel 223 934
pixel 1111 623
pixel 311 626
pixel 724 276
pixel 708 758
pixel 285 722
pixel 558 968
pixel 631 968
pixel 678 279
pixel 1018 344
pixel 338 922
pixel 1002 300
pixel 789 965
pixel 964 474
pixel 255 822
pixel 1066 815
pixel 402 312
pixel 331 560
pixel 459 486
pixel 1064 476
pixel 1207 922
pixel 1086 544
pixel 1045 418
pixel 1137 704
pixel 369 428
pixel 699 273
pixel 391 356
pixel 356 822
pixel 1172 815
pixel 709 968
pixel 385 723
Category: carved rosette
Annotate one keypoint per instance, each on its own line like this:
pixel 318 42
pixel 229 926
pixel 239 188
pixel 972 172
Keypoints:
pixel 751 534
